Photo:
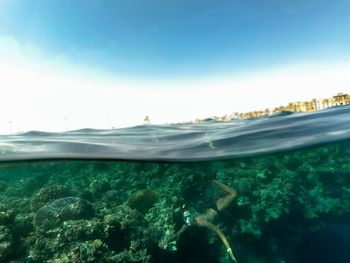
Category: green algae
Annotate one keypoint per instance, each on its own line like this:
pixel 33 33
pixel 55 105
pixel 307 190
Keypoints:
pixel 282 199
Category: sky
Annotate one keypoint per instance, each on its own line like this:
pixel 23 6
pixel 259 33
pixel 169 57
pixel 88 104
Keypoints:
pixel 100 64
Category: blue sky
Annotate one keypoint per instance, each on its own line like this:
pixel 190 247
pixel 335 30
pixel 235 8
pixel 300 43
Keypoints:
pixel 178 36
pixel 210 46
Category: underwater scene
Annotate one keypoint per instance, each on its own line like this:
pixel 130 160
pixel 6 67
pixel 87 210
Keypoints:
pixel 269 190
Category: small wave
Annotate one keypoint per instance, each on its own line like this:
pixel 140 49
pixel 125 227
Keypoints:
pixel 210 140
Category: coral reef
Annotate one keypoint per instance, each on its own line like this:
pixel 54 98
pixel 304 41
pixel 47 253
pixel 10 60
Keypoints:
pixel 143 200
pixel 6 242
pixel 6 235
pixel 55 213
pixel 48 194
pixel 99 211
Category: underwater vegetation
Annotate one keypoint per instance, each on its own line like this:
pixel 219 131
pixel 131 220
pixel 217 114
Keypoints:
pixel 290 207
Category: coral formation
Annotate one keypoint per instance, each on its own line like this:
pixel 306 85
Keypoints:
pixel 6 242
pixel 48 194
pixel 91 211
pixel 55 213
pixel 143 200
pixel 6 215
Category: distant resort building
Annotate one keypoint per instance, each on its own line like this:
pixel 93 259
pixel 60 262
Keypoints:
pixel 307 106
pixel 341 99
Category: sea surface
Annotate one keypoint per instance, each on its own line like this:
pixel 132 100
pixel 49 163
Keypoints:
pixel 120 195
pixel 210 140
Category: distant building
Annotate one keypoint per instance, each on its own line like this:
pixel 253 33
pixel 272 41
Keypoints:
pixel 341 99
pixel 305 106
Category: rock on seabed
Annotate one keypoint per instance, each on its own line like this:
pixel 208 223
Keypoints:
pixel 54 213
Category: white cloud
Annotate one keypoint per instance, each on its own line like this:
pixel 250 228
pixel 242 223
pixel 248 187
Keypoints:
pixel 39 96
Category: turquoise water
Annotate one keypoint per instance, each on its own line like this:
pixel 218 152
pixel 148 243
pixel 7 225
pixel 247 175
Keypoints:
pixel 119 195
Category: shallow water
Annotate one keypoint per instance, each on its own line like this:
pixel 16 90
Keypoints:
pixel 292 204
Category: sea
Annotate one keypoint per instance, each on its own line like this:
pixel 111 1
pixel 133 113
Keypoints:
pixel 273 189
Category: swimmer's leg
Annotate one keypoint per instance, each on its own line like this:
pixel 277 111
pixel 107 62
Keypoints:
pixel 225 201
pixel 202 221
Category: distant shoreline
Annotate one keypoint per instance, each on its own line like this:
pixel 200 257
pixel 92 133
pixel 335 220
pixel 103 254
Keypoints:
pixel 339 99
